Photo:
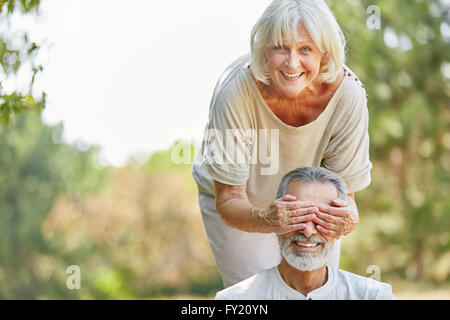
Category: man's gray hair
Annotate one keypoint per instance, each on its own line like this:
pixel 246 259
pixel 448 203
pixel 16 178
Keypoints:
pixel 313 175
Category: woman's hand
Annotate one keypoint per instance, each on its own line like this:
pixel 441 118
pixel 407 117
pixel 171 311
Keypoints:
pixel 286 215
pixel 337 220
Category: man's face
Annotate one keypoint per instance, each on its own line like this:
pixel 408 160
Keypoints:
pixel 307 249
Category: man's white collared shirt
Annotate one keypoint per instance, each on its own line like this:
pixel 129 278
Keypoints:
pixel 341 285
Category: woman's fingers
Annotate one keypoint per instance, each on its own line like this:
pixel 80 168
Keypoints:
pixel 343 212
pixel 333 226
pixel 303 211
pixel 288 197
pixel 333 219
pixel 293 227
pixel 295 205
pixel 323 223
pixel 339 203
pixel 327 232
pixel 288 215
pixel 304 218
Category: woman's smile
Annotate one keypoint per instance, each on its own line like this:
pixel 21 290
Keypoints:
pixel 292 77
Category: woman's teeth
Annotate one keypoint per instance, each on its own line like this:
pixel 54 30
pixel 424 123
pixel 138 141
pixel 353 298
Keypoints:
pixel 297 75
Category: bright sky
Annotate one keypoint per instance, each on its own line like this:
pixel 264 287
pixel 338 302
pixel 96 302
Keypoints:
pixel 135 76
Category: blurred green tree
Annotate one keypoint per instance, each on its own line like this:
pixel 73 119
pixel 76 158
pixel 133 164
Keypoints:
pixel 405 66
pixel 35 168
pixel 14 53
pixel 144 230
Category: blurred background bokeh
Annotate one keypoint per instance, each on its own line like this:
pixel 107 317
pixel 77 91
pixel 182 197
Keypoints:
pixel 135 230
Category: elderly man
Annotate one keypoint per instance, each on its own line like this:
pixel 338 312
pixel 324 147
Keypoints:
pixel 303 272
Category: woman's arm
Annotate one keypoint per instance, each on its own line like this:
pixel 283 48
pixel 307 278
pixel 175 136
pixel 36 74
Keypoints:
pixel 348 155
pixel 282 216
pixel 234 208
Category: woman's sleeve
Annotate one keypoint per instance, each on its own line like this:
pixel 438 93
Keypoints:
pixel 347 153
pixel 228 138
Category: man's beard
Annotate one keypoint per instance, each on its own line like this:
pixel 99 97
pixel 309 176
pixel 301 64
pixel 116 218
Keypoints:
pixel 305 261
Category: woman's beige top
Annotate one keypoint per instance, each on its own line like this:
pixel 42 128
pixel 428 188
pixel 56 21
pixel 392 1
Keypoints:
pixel 245 142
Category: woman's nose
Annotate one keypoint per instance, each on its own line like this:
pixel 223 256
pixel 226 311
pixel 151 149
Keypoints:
pixel 293 60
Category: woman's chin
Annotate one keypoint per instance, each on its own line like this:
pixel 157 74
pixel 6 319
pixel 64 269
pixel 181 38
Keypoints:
pixel 292 91
pixel 292 94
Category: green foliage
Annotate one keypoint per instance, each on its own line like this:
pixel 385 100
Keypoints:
pixel 12 57
pixel 34 171
pixel 22 5
pixel 145 234
pixel 409 109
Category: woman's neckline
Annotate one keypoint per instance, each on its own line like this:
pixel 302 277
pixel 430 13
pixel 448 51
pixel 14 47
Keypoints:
pixel 307 125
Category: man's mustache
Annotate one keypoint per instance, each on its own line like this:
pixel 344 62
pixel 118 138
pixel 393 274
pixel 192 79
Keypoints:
pixel 302 238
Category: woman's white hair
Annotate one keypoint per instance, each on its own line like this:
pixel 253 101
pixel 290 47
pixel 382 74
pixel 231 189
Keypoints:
pixel 282 18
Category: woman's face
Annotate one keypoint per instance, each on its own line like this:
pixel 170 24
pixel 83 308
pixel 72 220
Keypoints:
pixel 294 65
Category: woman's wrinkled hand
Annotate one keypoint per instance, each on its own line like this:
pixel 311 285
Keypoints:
pixel 338 219
pixel 286 214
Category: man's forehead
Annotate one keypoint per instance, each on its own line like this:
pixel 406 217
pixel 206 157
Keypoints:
pixel 319 192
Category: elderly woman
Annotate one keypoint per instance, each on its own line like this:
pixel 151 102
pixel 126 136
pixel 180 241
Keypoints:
pixel 293 95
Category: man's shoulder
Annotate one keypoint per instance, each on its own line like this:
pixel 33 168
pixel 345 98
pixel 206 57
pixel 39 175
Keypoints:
pixel 253 288
pixel 363 288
